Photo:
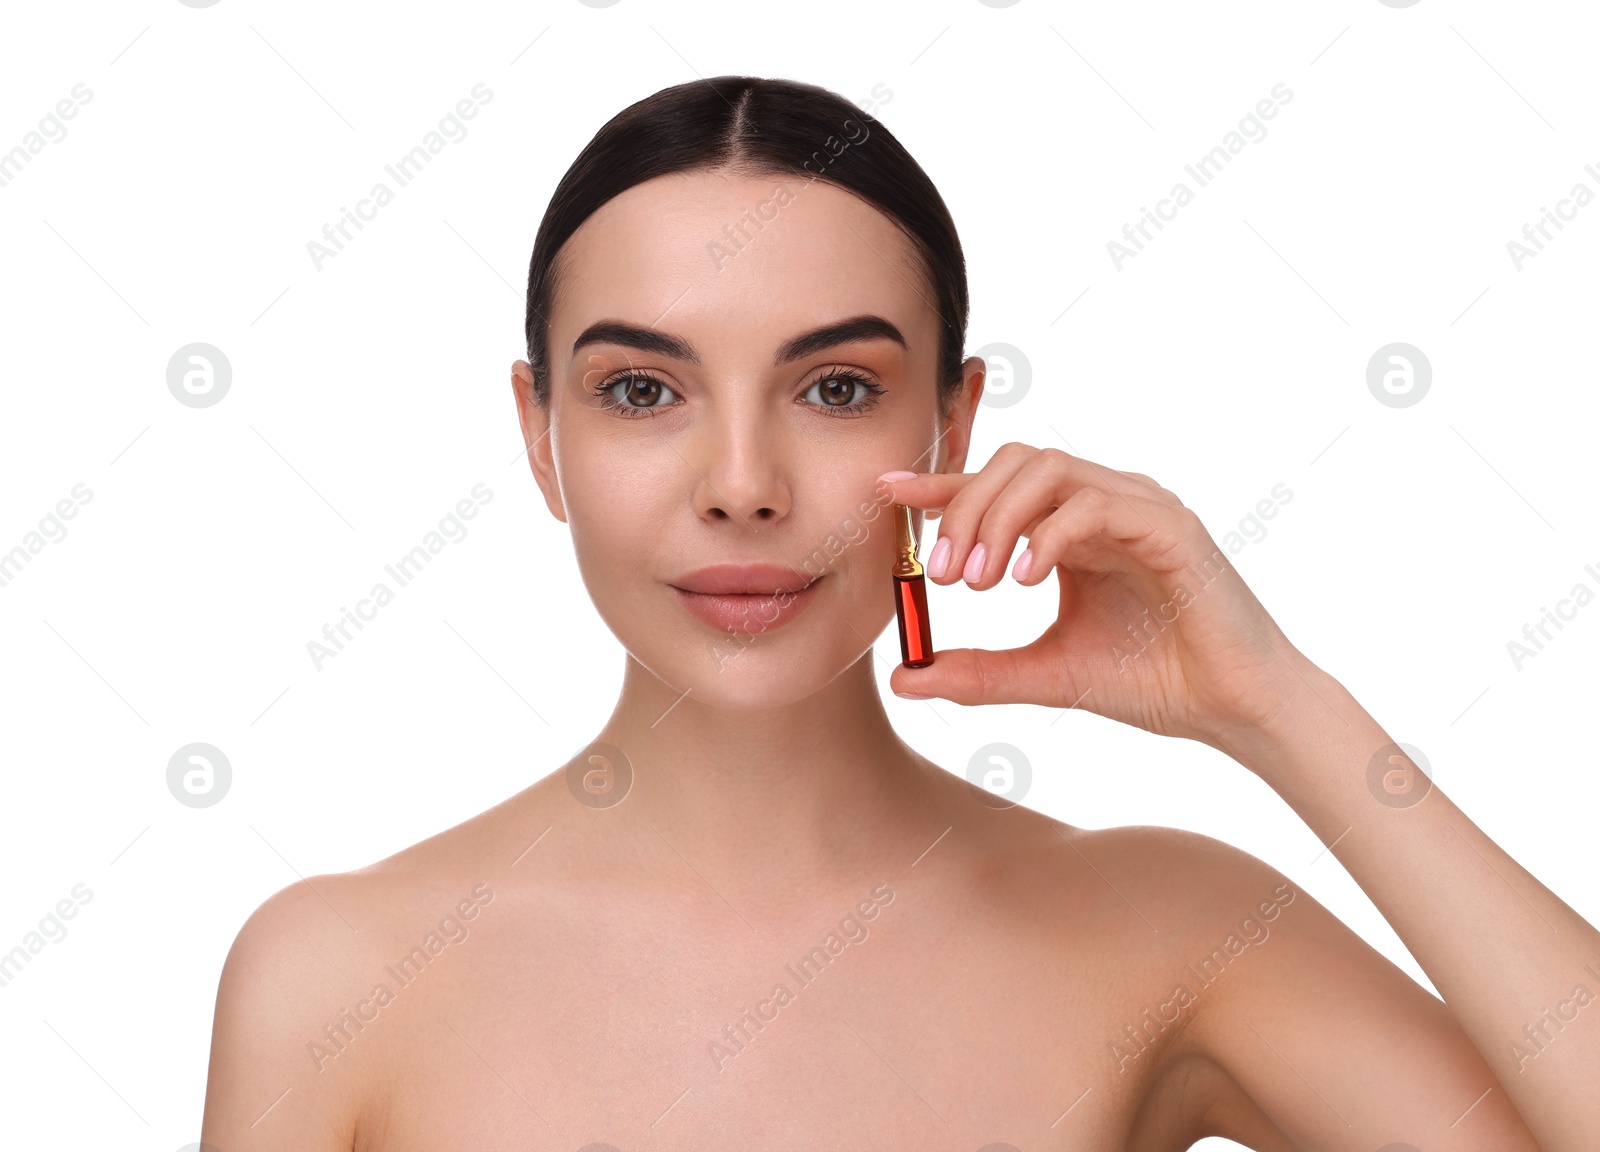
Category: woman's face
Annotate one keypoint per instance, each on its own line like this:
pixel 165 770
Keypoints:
pixel 698 427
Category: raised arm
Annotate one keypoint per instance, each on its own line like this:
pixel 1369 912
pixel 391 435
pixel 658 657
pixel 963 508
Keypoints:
pixel 1156 629
pixel 1518 968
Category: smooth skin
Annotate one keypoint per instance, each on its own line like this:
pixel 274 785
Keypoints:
pixel 609 973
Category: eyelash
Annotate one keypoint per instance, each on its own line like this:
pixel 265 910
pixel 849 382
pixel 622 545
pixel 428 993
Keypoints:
pixel 610 403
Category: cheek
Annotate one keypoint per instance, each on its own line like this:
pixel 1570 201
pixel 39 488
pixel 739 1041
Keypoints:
pixel 614 501
pixel 856 544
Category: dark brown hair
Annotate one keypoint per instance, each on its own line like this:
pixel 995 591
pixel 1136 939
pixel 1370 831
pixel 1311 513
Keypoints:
pixel 758 126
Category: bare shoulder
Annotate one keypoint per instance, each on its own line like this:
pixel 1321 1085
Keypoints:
pixel 1141 847
pixel 1305 1034
pixel 314 966
pixel 289 965
pixel 1173 877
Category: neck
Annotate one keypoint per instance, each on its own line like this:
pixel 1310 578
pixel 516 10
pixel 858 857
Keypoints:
pixel 817 794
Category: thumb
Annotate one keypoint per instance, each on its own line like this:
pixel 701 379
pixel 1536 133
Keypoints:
pixel 969 676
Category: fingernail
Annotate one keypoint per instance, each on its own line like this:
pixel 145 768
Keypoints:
pixel 939 558
pixel 910 695
pixel 974 569
pixel 898 476
pixel 1020 569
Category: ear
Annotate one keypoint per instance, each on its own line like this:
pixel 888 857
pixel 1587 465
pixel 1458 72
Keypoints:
pixel 956 428
pixel 535 420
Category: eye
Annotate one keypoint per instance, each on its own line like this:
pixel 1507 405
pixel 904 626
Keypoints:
pixel 843 392
pixel 633 394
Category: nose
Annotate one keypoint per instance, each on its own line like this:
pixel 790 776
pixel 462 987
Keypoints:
pixel 741 470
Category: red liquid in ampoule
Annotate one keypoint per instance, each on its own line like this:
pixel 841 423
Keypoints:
pixel 911 608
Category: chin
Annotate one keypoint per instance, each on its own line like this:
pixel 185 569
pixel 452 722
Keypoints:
pixel 753 673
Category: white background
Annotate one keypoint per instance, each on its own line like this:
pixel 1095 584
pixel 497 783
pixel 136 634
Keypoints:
pixel 367 398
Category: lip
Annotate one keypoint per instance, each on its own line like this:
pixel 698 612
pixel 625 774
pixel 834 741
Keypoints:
pixel 743 579
pixel 749 598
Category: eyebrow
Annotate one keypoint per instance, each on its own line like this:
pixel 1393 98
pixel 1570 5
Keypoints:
pixel 807 344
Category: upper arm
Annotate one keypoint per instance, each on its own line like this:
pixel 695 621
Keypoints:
pixel 280 987
pixel 1334 1043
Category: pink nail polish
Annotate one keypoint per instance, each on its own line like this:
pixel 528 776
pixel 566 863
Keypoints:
pixel 1024 564
pixel 939 558
pixel 902 475
pixel 974 569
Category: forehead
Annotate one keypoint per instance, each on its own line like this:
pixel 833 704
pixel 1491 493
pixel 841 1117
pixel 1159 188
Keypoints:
pixel 737 257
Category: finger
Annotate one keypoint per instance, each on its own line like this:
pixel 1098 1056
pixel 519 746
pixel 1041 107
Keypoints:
pixel 964 509
pixel 926 490
pixel 1033 494
pixel 1096 529
pixel 937 491
pixel 982 676
pixel 1046 482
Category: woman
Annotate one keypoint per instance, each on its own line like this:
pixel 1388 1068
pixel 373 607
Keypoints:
pixel 747 914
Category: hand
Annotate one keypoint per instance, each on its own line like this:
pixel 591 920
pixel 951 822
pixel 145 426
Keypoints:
pixel 1155 628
